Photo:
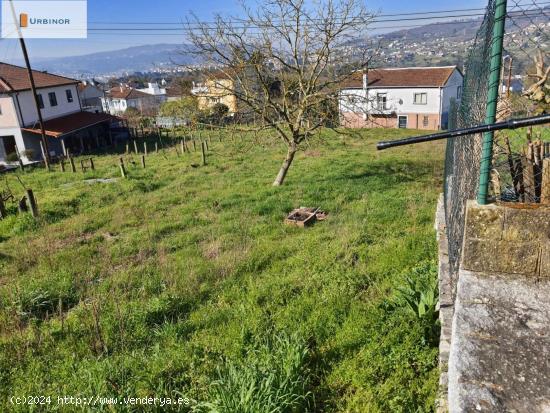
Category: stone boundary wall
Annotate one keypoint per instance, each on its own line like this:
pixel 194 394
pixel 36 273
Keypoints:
pixel 446 304
pixel 511 239
pixel 494 351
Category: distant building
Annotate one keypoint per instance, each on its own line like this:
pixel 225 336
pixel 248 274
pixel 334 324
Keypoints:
pixel 118 99
pixel 415 97
pixel 156 91
pixel 217 88
pixel 516 84
pixel 67 126
pixel 90 97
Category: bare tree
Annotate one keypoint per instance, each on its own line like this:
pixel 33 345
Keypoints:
pixel 286 61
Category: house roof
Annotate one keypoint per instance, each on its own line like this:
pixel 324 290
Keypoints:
pixel 122 92
pixel 82 86
pixel 402 77
pixel 175 91
pixel 74 122
pixel 15 78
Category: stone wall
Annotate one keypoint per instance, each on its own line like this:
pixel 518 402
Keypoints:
pixel 446 304
pixel 511 239
pixel 499 357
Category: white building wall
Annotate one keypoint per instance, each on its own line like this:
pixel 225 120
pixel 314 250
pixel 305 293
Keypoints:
pixel 91 98
pixel 8 112
pixel 114 106
pixel 399 100
pixel 28 108
pixel 450 90
pixel 9 124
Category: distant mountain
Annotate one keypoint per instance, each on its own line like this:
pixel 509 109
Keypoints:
pixel 129 60
pixel 441 43
pixel 457 30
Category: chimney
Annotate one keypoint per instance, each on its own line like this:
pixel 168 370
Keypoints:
pixel 365 79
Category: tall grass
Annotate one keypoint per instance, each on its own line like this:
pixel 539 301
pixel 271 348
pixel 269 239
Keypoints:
pixel 272 377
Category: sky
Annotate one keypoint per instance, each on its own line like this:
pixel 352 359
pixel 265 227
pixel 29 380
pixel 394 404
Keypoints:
pixel 109 13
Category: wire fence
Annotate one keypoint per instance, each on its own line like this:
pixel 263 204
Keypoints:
pixel 520 164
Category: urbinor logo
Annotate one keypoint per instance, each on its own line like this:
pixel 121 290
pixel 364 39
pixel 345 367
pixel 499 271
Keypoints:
pixel 25 21
pixel 44 19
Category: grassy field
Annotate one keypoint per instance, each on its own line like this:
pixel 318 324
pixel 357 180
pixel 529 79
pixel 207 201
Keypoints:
pixel 183 281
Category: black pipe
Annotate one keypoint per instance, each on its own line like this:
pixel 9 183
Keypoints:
pixel 509 124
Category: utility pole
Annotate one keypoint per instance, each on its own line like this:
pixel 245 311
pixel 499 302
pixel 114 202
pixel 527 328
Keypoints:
pixel 46 153
pixel 509 82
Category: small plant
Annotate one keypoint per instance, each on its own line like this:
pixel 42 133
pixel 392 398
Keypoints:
pixel 420 296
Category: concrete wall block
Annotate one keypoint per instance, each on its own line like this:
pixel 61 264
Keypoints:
pixel 500 256
pixel 484 221
pixel 527 224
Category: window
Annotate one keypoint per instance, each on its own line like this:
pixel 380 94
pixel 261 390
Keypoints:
pixel 459 92
pixel 402 122
pixel 53 99
pixel 425 121
pixel 69 94
pixel 40 101
pixel 420 98
pixel 381 101
pixel 9 144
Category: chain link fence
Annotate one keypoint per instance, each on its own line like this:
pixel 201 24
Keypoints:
pixel 519 156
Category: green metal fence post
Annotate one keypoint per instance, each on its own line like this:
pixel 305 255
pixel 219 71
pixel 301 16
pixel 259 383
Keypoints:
pixel 492 100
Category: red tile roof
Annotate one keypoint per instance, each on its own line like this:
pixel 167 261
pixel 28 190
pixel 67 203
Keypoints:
pixel 71 123
pixel 402 77
pixel 122 92
pixel 15 78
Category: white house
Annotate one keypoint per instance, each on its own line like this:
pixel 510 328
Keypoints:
pixel 154 89
pixel 414 97
pixel 117 100
pixel 90 97
pixel 67 127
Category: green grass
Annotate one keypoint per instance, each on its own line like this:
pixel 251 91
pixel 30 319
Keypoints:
pixel 184 281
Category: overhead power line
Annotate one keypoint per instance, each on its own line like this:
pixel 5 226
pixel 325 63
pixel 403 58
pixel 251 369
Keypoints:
pixel 420 14
pixel 254 26
pixel 183 30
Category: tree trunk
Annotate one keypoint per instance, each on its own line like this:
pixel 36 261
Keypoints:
pixel 284 167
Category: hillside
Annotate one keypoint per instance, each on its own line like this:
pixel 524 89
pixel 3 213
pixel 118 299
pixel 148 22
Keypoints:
pixel 119 62
pixel 444 43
